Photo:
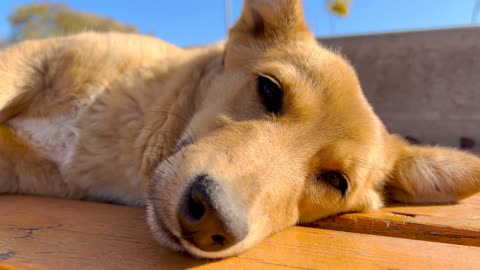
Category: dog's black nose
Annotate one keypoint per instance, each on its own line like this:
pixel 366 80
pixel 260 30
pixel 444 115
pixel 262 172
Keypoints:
pixel 210 219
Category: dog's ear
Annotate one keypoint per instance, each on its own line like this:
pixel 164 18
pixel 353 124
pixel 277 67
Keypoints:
pixel 432 175
pixel 279 19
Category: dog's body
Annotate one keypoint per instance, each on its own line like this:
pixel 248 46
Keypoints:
pixel 225 144
pixel 96 112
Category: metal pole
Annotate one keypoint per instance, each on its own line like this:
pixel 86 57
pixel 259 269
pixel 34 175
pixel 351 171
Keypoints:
pixel 476 9
pixel 228 15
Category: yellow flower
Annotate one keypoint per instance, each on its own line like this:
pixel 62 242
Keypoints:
pixel 339 7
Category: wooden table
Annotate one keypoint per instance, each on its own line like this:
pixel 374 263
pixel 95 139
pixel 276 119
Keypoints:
pixel 45 233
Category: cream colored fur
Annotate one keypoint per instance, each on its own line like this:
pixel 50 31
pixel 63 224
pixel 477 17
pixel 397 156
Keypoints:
pixel 132 119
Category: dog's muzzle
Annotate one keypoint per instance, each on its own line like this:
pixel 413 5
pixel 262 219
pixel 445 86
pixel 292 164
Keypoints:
pixel 209 219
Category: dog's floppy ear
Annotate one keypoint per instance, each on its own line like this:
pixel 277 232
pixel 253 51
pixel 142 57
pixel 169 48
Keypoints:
pixel 270 19
pixel 432 175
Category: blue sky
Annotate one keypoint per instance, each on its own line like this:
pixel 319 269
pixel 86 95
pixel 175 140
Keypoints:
pixel 195 22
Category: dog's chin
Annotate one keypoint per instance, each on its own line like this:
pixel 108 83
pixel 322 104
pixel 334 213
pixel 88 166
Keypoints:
pixel 194 251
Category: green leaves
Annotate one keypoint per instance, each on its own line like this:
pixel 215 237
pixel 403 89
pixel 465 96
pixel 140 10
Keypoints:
pixel 41 20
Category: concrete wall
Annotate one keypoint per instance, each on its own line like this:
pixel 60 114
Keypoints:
pixel 425 85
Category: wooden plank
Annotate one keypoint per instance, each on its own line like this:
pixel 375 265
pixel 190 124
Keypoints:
pixel 469 208
pixel 44 233
pixel 455 224
pixel 325 249
pixel 8 266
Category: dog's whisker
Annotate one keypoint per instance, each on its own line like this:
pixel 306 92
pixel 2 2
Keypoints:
pixel 189 140
pixel 187 122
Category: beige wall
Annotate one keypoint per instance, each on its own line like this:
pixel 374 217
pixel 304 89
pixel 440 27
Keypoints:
pixel 422 84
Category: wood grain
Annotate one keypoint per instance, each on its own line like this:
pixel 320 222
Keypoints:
pixel 325 249
pixel 455 224
pixel 44 233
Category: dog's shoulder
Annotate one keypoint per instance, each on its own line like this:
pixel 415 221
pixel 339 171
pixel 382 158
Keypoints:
pixel 119 42
pixel 54 70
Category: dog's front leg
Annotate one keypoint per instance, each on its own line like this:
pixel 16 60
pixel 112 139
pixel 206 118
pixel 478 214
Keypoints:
pixel 8 178
pixel 24 171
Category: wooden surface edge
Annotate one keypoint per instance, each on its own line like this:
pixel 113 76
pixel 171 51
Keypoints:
pixel 457 223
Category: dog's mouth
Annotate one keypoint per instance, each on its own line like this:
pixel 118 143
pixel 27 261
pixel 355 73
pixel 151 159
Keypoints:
pixel 161 231
pixel 158 225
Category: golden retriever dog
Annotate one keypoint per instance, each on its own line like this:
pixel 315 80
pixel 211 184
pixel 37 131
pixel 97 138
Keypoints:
pixel 223 144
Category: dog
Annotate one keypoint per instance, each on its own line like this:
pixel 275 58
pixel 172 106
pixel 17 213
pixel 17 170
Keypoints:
pixel 224 144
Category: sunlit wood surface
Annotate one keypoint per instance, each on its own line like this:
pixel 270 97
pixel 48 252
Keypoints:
pixel 455 224
pixel 45 233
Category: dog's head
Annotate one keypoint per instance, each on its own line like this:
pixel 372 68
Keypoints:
pixel 286 136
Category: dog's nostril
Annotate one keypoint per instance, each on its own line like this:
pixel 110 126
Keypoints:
pixel 218 239
pixel 196 209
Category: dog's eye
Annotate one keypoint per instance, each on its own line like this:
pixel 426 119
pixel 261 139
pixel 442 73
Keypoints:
pixel 271 94
pixel 335 179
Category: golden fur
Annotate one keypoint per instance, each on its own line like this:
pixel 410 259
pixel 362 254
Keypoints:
pixel 132 119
